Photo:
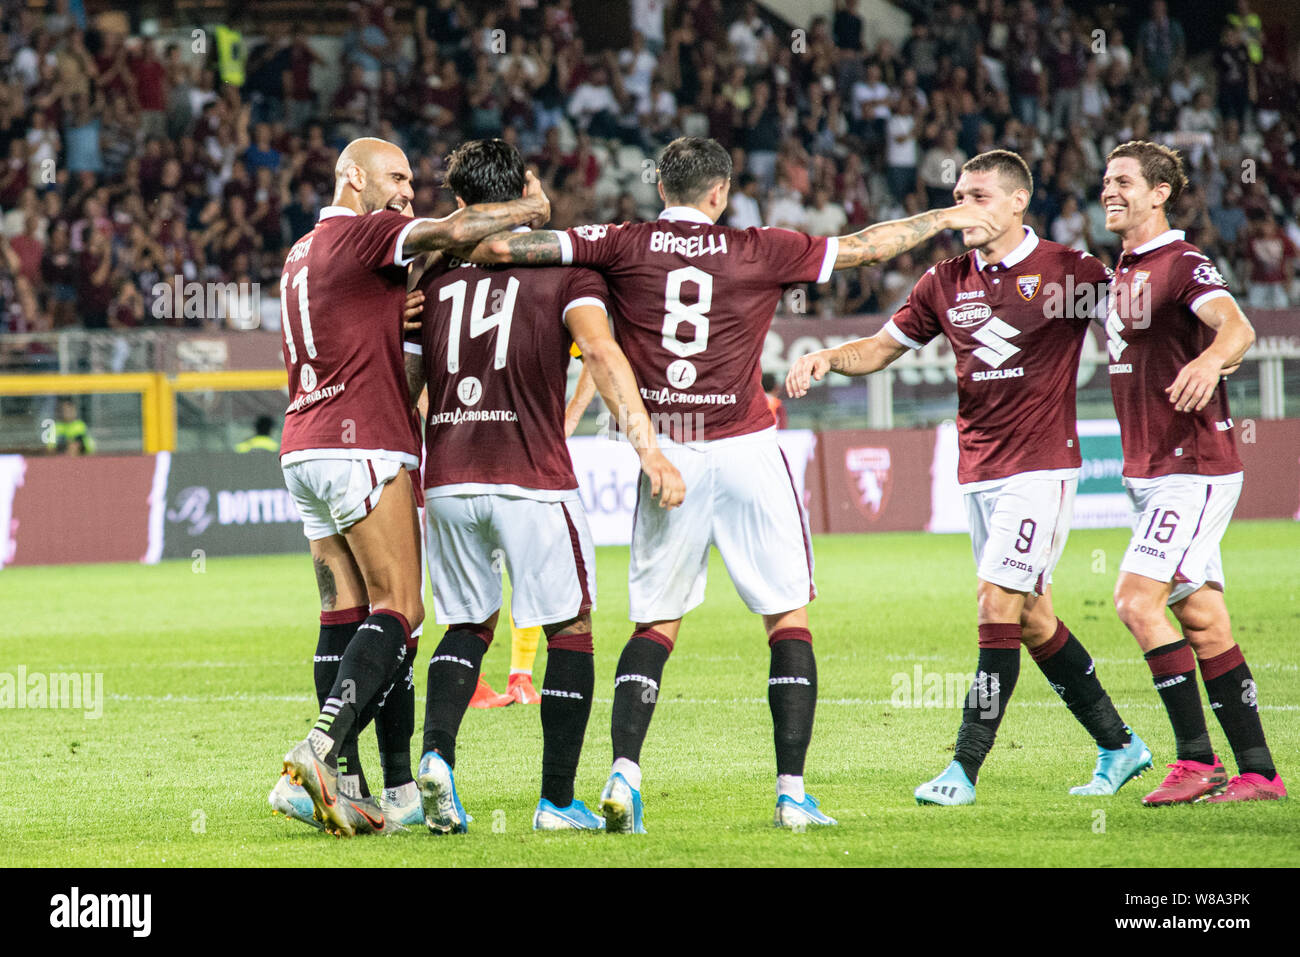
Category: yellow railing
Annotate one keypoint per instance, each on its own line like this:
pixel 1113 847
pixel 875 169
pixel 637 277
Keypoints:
pixel 157 393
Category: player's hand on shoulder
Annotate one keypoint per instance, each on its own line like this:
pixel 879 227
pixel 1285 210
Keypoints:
pixel 814 365
pixel 666 483
pixel 533 190
pixel 412 311
pixel 1195 384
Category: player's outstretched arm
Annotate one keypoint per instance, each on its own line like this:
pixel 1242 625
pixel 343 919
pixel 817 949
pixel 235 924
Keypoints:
pixel 616 384
pixel 468 226
pixel 884 241
pixel 859 357
pixel 1234 335
pixel 583 393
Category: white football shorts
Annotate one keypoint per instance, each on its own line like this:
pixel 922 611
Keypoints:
pixel 741 499
pixel 1178 523
pixel 545 547
pixel 334 494
pixel 1019 525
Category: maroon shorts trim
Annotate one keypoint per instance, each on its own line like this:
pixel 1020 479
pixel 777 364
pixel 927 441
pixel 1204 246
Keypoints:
pixel 374 484
pixel 1178 572
pixel 581 566
pixel 803 525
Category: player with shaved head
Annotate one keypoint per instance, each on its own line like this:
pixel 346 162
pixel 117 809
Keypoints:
pixel 1019 456
pixel 350 438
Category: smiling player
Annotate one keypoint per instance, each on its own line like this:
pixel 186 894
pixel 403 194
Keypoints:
pixel 1019 456
pixel 1183 477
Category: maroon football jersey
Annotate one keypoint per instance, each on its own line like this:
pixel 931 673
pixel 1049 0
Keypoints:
pixel 692 305
pixel 1016 328
pixel 341 297
pixel 1150 340
pixel 496 355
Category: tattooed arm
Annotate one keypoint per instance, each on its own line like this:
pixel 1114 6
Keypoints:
pixel 469 225
pixel 859 357
pixel 884 241
pixel 617 385
pixel 541 247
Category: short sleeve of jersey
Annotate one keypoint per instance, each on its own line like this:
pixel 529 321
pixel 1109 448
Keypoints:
pixel 378 239
pixel 597 246
pixel 796 257
pixel 584 287
pixel 1195 280
pixel 916 322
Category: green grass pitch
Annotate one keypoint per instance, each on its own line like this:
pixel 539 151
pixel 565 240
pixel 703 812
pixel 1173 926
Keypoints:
pixel 207 682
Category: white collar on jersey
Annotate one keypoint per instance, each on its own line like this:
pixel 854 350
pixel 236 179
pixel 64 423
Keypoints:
pixel 330 211
pixel 1016 256
pixel 685 214
pixel 1164 239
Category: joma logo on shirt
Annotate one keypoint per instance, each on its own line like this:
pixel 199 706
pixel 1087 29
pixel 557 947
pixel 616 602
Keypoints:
pixel 689 246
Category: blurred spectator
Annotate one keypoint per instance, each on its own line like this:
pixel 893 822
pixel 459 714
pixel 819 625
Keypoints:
pixel 1271 259
pixel 260 440
pixel 901 151
pixel 940 167
pixel 745 213
pixel 772 389
pixel 71 435
pixel 1161 43
pixel 847 29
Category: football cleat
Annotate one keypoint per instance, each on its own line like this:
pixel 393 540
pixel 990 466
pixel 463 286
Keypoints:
pixel 1249 787
pixel 485 697
pixel 442 810
pixel 521 689
pixel 402 807
pixel 797 815
pixel 949 789
pixel 1117 767
pixel 319 780
pixel 575 817
pixel 357 816
pixel 620 805
pixel 1187 781
pixel 293 802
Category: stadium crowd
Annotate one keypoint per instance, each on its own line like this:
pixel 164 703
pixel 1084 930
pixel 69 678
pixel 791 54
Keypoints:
pixel 126 162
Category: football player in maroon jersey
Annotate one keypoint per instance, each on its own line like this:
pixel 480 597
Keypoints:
pixel 693 302
pixel 500 490
pixel 1181 331
pixel 1017 364
pixel 349 439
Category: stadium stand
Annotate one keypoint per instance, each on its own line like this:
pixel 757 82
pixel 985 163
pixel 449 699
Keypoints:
pixel 196 139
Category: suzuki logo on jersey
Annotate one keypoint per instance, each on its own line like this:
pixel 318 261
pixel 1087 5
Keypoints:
pixel 1115 342
pixel 971 314
pixel 1028 286
pixel 996 349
